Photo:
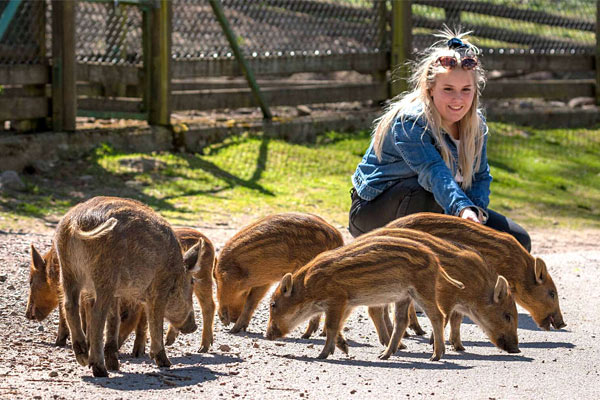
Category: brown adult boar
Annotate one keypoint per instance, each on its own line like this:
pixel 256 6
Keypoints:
pixel 486 298
pixel 114 248
pixel 45 294
pixel 370 272
pixel 263 252
pixel 528 278
pixel 203 284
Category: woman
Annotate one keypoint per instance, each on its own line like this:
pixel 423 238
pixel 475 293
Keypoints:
pixel 428 152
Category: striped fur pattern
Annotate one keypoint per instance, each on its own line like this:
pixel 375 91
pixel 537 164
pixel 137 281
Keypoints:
pixel 370 272
pixel 486 298
pixel 263 252
pixel 529 279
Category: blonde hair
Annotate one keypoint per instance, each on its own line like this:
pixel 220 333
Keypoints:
pixel 422 79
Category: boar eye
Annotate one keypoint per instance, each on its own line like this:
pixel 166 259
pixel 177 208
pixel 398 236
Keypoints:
pixel 273 305
pixel 551 294
pixel 507 317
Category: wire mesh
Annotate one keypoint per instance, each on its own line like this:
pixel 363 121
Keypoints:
pixel 23 36
pixel 272 28
pixel 530 26
pixel 108 33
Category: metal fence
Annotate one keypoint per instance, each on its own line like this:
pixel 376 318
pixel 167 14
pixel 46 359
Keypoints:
pixel 283 37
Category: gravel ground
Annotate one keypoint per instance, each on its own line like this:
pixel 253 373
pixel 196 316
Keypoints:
pixel 551 365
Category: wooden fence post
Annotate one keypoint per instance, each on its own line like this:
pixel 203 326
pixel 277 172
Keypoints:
pixel 64 90
pixel 157 63
pixel 401 45
pixel 597 66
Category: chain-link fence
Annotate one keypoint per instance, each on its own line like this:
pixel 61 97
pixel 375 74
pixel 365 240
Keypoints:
pixel 531 26
pixel 109 33
pixel 272 28
pixel 22 32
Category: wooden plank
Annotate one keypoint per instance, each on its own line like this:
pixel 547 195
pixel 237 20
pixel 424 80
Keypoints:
pixel 401 50
pixel 320 8
pixel 547 89
pixel 19 108
pixel 597 55
pixel 64 90
pixel 159 111
pixel 278 96
pixel 519 14
pixel 121 104
pixel 285 65
pixel 106 74
pixel 505 35
pixel 538 62
pixel 24 74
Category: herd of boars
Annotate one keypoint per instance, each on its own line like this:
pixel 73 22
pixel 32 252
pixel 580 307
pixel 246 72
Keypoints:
pixel 116 266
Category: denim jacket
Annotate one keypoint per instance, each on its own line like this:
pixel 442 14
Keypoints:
pixel 411 151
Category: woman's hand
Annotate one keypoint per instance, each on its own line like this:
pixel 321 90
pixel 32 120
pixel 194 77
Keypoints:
pixel 468 213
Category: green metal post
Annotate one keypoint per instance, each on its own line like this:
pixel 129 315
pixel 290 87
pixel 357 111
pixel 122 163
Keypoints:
pixel 218 10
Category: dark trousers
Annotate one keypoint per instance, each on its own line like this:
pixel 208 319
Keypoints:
pixel 408 197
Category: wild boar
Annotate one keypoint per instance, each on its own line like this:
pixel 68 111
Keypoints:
pixel 485 298
pixel 203 284
pixel 528 278
pixel 113 248
pixel 260 254
pixel 370 272
pixel 45 294
pixel 45 289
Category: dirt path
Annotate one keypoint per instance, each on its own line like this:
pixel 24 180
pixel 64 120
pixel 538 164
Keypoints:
pixel 558 364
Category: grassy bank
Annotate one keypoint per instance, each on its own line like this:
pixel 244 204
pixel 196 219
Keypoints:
pixel 541 178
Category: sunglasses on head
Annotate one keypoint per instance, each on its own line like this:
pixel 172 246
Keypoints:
pixel 450 62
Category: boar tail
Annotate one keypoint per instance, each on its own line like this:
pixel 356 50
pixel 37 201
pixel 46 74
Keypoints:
pixel 98 232
pixel 450 279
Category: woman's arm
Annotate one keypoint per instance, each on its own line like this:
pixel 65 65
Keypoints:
pixel 417 148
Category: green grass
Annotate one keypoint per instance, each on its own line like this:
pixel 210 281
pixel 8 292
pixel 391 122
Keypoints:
pixel 541 178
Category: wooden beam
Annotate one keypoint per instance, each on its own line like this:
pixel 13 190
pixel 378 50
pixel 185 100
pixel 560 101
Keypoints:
pixel 159 73
pixel 281 66
pixel 538 62
pixel 20 108
pixel 64 91
pixel 547 89
pixel 401 46
pixel 24 74
pixel 276 96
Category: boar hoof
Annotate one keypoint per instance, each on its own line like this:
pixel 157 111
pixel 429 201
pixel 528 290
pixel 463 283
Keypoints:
pixel 436 356
pixel 161 359
pixel 324 354
pixel 204 348
pixel 112 362
pixel 99 371
pixel 237 328
pixel 342 344
pixel 418 330
pixel 306 335
pixel 458 346
pixel 385 355
pixel 61 341
pixel 171 336
pixel 81 353
pixel 139 350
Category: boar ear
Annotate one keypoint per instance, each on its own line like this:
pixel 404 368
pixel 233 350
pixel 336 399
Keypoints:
pixel 501 289
pixel 540 271
pixel 191 258
pixel 286 285
pixel 37 259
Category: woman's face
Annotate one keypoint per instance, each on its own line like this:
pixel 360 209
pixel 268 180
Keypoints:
pixel 453 93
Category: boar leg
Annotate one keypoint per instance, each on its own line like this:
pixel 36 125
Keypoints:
pixel 252 300
pixel 111 345
pixel 400 324
pixel 139 345
pixel 413 322
pixel 156 314
pixel 95 331
pixel 63 329
pixel 313 326
pixel 333 323
pixel 455 321
pixel 437 323
pixel 71 293
pixel 378 318
pixel 204 294
pixel 172 334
